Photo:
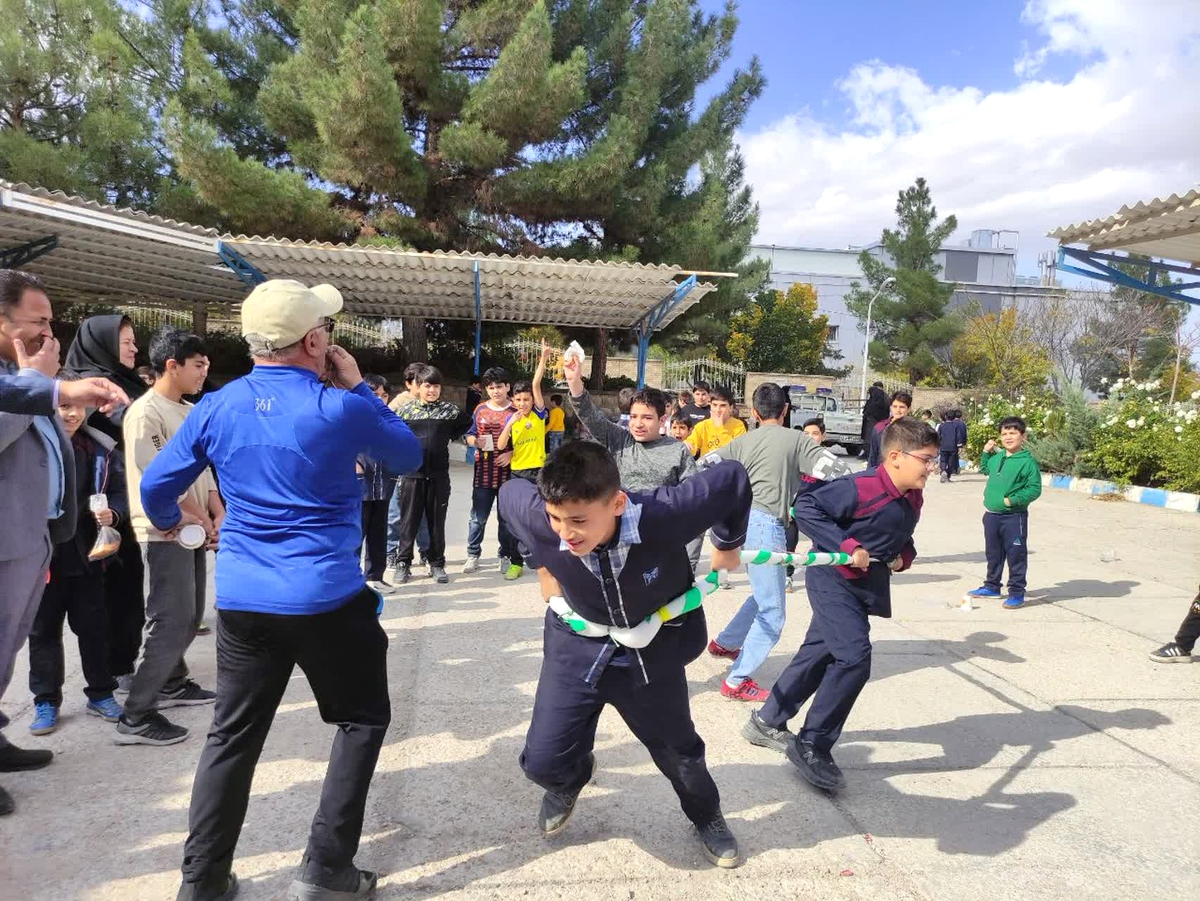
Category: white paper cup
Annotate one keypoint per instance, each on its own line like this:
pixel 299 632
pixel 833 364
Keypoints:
pixel 192 537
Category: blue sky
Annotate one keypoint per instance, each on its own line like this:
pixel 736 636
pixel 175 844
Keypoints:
pixel 1021 114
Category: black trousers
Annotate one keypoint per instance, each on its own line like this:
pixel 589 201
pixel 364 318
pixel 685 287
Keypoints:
pixel 343 654
pixel 948 460
pixel 78 600
pixel 831 667
pixel 562 731
pixel 1189 629
pixel 1006 540
pixel 125 598
pixel 374 526
pixel 425 499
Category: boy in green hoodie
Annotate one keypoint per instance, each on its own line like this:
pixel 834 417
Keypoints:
pixel 1014 482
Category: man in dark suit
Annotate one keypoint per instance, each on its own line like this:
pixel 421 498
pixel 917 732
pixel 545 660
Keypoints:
pixel 37 490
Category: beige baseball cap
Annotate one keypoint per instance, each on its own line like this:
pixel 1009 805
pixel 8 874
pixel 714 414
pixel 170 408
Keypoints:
pixel 284 311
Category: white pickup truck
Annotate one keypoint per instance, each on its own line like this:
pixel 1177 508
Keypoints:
pixel 841 427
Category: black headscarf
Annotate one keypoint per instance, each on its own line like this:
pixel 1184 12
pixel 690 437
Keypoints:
pixel 96 351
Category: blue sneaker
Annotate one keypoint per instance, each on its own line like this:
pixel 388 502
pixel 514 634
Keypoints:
pixel 982 594
pixel 45 718
pixel 108 709
pixel 1014 602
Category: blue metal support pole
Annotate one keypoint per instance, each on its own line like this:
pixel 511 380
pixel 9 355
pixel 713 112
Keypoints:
pixel 246 271
pixel 654 318
pixel 478 320
pixel 16 257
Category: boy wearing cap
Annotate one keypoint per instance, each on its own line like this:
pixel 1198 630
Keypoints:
pixel 176 576
pixel 290 590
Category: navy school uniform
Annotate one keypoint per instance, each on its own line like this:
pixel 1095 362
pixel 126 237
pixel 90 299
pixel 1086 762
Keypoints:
pixel 807 484
pixel 948 446
pixel 645 566
pixel 834 662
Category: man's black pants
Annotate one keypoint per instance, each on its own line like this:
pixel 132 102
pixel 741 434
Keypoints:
pixel 429 499
pixel 374 526
pixel 125 598
pixel 831 667
pixel 343 654
pixel 562 731
pixel 1189 629
pixel 79 600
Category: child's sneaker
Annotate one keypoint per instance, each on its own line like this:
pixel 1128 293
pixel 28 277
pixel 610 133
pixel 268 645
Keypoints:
pixel 789 586
pixel 982 594
pixel 471 566
pixel 1171 653
pixel 749 690
pixel 513 573
pixel 403 574
pixel 106 708
pixel 718 650
pixel 45 718
pixel 439 574
pixel 1014 602
pixel 189 694
pixel 504 564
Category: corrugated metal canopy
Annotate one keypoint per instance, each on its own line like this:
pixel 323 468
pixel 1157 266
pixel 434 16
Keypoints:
pixel 105 252
pixel 1167 228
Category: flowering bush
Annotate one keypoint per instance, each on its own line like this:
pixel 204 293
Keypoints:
pixel 1144 439
pixel 985 419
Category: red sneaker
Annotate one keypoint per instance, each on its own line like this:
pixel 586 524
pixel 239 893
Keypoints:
pixel 717 650
pixel 749 690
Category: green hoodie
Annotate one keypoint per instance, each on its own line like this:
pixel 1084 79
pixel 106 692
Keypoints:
pixel 1013 476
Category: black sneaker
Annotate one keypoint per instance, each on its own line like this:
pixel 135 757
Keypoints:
pixel 152 729
pixel 557 809
pixel 403 574
pixel 719 844
pixel 816 766
pixel 204 891
pixel 1171 653
pixel 7 805
pixel 759 733
pixel 189 694
pixel 17 760
pixel 320 883
pixel 439 574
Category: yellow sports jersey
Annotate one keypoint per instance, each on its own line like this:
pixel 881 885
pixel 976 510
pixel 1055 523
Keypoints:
pixel 528 441
pixel 707 436
pixel 558 420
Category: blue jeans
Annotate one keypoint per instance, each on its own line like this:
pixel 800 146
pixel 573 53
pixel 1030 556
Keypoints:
pixel 554 441
pixel 482 500
pixel 393 528
pixel 757 626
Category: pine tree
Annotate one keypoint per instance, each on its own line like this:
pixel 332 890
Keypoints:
pixel 910 327
pixel 480 125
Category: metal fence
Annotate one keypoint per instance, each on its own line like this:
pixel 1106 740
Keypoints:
pixel 350 331
pixel 680 375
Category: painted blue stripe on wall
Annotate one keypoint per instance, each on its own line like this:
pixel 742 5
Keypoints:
pixel 1155 496
pixel 1060 481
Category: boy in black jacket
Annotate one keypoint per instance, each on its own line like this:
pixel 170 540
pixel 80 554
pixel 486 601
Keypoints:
pixel 75 592
pixel 871 515
pixel 425 494
pixel 617 558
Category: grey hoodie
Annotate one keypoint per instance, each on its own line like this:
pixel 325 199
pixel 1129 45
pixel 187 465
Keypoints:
pixel 643 466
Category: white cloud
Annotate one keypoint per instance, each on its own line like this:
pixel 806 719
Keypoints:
pixel 1044 153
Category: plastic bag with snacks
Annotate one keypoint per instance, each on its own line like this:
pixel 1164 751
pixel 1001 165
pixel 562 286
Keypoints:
pixel 108 539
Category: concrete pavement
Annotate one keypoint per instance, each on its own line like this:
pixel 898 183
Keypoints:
pixel 995 754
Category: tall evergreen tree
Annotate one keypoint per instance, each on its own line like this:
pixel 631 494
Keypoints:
pixel 479 125
pixel 909 323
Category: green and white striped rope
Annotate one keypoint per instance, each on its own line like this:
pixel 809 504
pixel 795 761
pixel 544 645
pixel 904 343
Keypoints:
pixel 643 633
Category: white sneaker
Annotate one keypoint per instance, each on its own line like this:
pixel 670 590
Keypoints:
pixel 504 564
pixel 383 587
pixel 471 566
pixel 790 587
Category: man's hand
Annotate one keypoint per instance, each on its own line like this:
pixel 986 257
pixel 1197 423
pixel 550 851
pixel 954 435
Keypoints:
pixel 103 517
pixel 92 392
pixel 185 519
pixel 989 447
pixel 727 560
pixel 860 559
pixel 345 371
pixel 44 361
pixel 573 375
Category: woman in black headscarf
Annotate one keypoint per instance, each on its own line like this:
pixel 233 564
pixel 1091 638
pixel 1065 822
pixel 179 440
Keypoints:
pixel 105 346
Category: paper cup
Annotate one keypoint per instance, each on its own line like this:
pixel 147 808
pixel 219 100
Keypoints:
pixel 192 537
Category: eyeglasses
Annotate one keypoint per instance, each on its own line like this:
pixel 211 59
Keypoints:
pixel 930 462
pixel 329 325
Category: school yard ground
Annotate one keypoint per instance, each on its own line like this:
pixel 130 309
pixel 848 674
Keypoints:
pixel 999 755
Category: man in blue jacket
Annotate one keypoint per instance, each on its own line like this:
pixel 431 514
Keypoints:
pixel 289 587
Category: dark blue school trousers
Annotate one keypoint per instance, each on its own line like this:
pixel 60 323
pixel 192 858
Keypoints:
pixel 832 665
pixel 1006 540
